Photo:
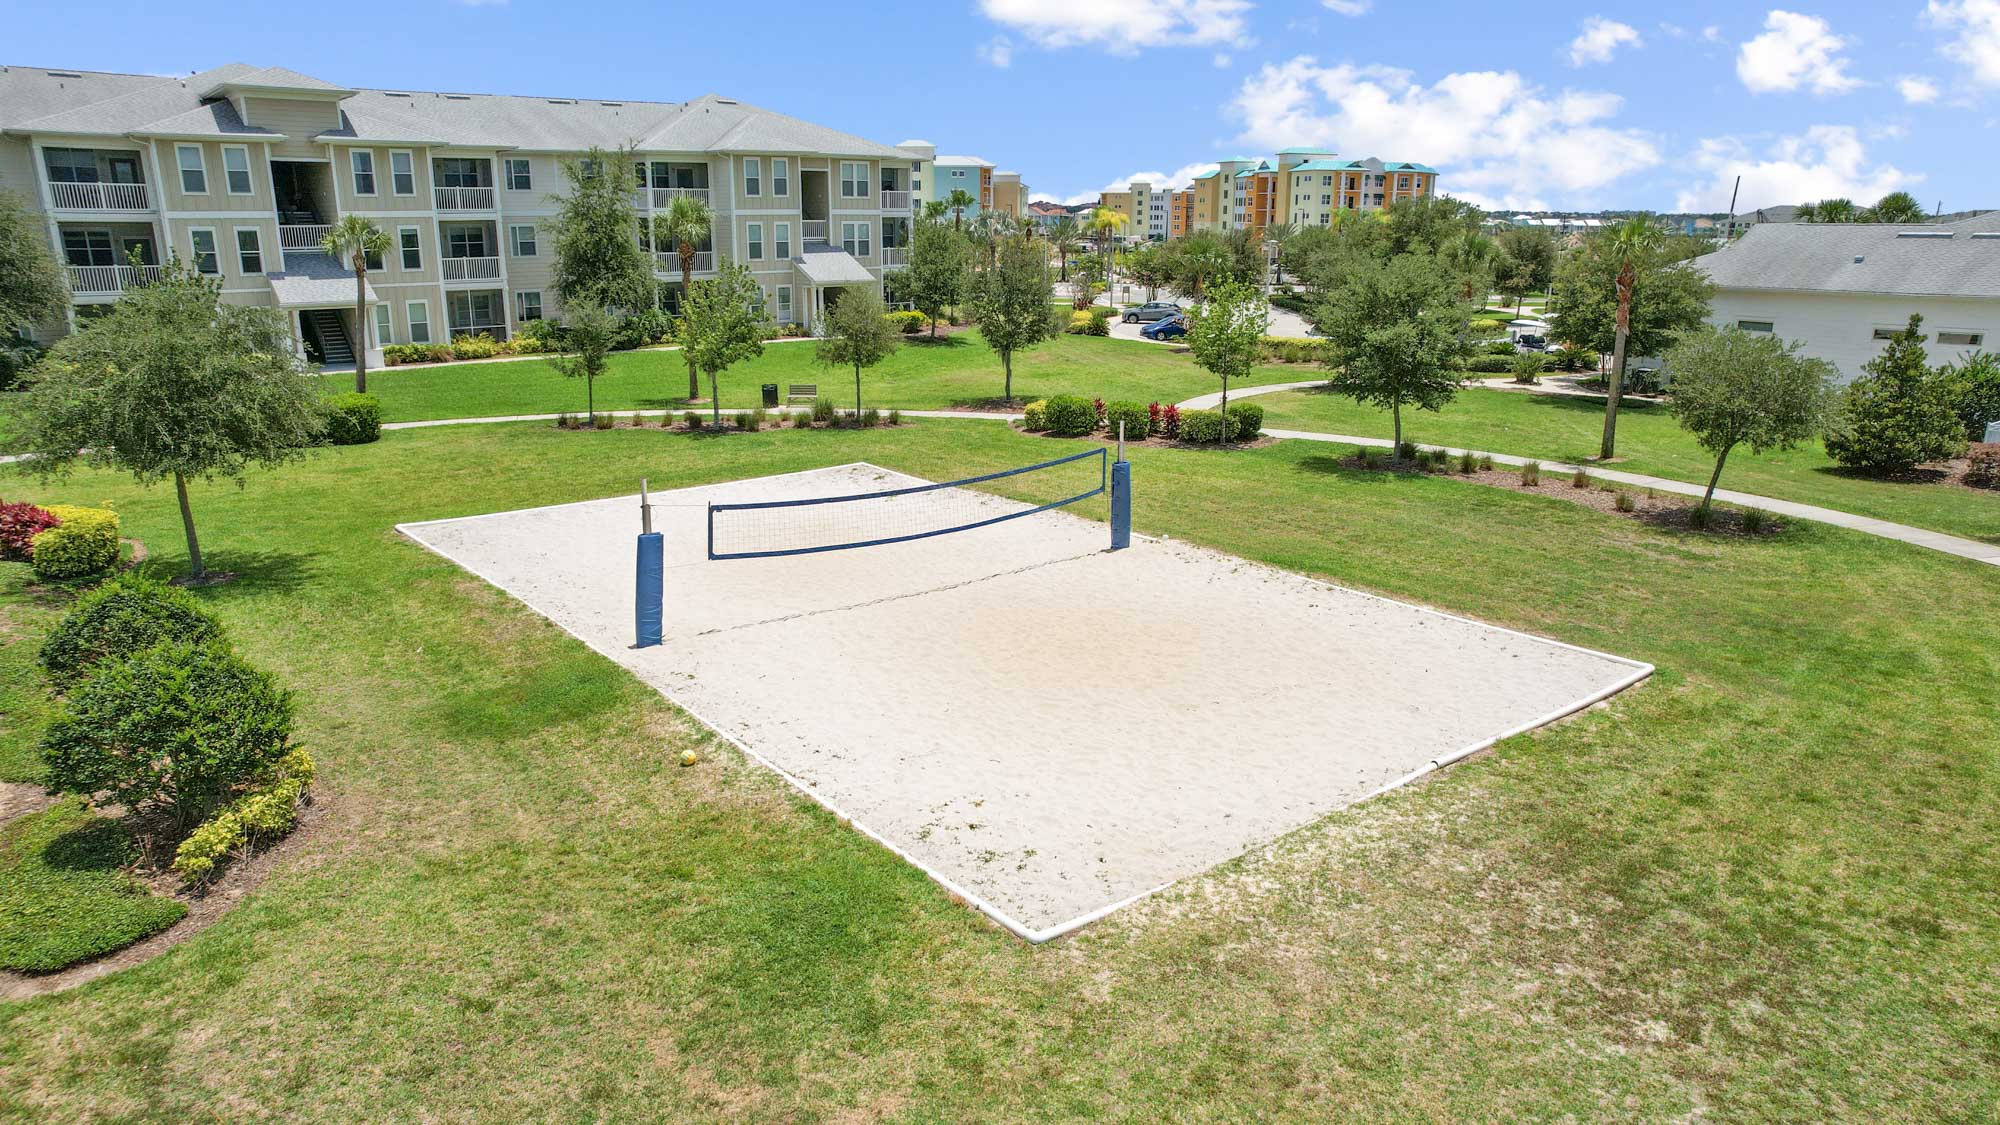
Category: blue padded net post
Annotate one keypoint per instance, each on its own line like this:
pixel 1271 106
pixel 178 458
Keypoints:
pixel 1121 505
pixel 652 586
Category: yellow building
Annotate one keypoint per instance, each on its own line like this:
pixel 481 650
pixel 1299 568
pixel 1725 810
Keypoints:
pixel 1010 195
pixel 1306 186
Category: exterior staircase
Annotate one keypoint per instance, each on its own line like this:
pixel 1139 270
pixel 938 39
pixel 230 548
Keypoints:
pixel 335 350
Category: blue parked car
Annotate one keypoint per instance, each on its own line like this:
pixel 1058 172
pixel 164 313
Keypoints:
pixel 1172 328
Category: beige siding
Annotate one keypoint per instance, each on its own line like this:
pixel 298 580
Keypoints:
pixel 217 198
pixel 17 171
pixel 181 238
pixel 299 121
pixel 384 200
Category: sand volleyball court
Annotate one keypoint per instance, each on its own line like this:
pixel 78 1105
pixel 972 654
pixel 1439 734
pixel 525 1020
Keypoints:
pixel 1047 728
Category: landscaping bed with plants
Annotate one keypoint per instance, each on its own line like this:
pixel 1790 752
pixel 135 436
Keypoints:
pixel 1075 416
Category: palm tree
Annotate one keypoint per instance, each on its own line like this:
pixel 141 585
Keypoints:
pixel 1066 236
pixel 1897 207
pixel 354 238
pixel 1828 211
pixel 1629 244
pixel 956 203
pixel 1468 254
pixel 935 208
pixel 1105 223
pixel 686 222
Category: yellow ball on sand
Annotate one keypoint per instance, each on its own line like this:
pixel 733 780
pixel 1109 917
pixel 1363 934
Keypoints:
pixel 689 757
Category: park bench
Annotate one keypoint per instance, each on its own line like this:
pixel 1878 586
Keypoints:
pixel 801 391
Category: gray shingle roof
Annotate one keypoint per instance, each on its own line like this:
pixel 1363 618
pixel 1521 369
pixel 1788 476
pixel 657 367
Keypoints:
pixel 315 279
pixel 1862 258
pixel 117 104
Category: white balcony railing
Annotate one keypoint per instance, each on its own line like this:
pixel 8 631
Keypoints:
pixel 668 261
pixel 895 200
pixel 471 269
pixel 302 236
pixel 108 279
pixel 663 197
pixel 813 230
pixel 464 198
pixel 100 197
pixel 895 255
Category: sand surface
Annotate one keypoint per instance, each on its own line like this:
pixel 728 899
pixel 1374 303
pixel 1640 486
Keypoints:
pixel 1047 726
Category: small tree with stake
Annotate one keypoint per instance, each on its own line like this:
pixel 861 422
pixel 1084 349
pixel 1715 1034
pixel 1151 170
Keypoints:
pixel 171 383
pixel 858 335
pixel 723 322
pixel 1225 334
pixel 1736 388
pixel 589 333
pixel 1010 304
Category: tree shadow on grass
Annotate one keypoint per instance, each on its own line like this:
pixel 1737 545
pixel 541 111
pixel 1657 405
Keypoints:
pixel 1330 466
pixel 101 845
pixel 256 572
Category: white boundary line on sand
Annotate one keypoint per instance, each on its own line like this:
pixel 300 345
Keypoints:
pixel 1641 670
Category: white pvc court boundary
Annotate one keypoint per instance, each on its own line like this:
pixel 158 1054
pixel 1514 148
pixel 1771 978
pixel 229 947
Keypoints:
pixel 424 534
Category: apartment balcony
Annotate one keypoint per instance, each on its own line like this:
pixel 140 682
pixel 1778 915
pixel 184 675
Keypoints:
pixel 667 261
pixel 464 198
pixel 813 230
pixel 98 281
pixel 663 197
pixel 895 200
pixel 472 269
pixel 895 256
pixel 302 236
pixel 100 197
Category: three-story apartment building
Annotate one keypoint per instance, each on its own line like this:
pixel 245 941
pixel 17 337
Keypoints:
pixel 239 171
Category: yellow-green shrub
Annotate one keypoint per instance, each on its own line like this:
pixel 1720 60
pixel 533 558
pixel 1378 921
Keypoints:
pixel 1034 416
pixel 268 811
pixel 83 544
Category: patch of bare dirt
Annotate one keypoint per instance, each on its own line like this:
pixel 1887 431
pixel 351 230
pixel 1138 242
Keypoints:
pixel 19 798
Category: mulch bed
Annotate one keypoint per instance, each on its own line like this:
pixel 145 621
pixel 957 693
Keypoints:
pixel 1656 509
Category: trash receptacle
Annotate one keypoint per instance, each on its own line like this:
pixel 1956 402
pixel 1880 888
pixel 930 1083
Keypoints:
pixel 770 394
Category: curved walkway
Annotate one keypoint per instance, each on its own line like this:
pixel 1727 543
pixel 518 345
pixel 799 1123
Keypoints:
pixel 1973 549
pixel 1988 553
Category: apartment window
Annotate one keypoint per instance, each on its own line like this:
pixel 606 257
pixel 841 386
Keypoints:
pixel 402 173
pixel 756 242
pixel 373 260
pixel 1755 325
pixel 467 242
pixel 363 162
pixel 413 248
pixel 473 310
pixel 781 176
pixel 385 331
pixel 1326 200
pixel 781 237
pixel 236 169
pixel 249 251
pixel 753 171
pixel 784 304
pixel 194 170
pixel 757 301
pixel 519 177
pixel 88 248
pixel 528 305
pixel 1886 333
pixel 71 165
pixel 420 322
pixel 854 239
pixel 853 179
pixel 465 171
pixel 1961 339
pixel 524 241
pixel 206 260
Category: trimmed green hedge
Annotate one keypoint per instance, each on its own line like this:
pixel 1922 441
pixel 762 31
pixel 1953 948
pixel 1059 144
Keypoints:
pixel 1246 420
pixel 1070 415
pixel 1035 416
pixel 83 544
pixel 1201 427
pixel 1138 420
pixel 125 615
pixel 353 419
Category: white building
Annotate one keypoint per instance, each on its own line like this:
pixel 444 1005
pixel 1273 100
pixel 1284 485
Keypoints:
pixel 1842 289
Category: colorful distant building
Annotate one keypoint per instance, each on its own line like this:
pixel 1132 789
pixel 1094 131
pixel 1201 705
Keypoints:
pixel 1304 186
pixel 1010 195
pixel 969 174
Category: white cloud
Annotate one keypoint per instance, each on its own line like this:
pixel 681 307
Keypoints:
pixel 1795 50
pixel 1824 162
pixel 1222 61
pixel 1916 89
pixel 1712 33
pixel 1497 139
pixel 1123 27
pixel 1601 39
pixel 1976 25
pixel 997 52
pixel 1349 7
pixel 1176 180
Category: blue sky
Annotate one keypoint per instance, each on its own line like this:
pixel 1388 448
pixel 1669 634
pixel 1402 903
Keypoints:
pixel 1554 105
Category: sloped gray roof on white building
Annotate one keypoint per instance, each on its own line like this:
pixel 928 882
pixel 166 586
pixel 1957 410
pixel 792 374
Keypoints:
pixel 1944 260
pixel 103 104
pixel 312 279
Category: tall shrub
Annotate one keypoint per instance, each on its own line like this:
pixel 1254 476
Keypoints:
pixel 1899 414
pixel 126 615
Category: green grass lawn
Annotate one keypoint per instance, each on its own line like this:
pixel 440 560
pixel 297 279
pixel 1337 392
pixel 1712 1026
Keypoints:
pixel 64 892
pixel 1764 885
pixel 27 612
pixel 1568 428
pixel 958 371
